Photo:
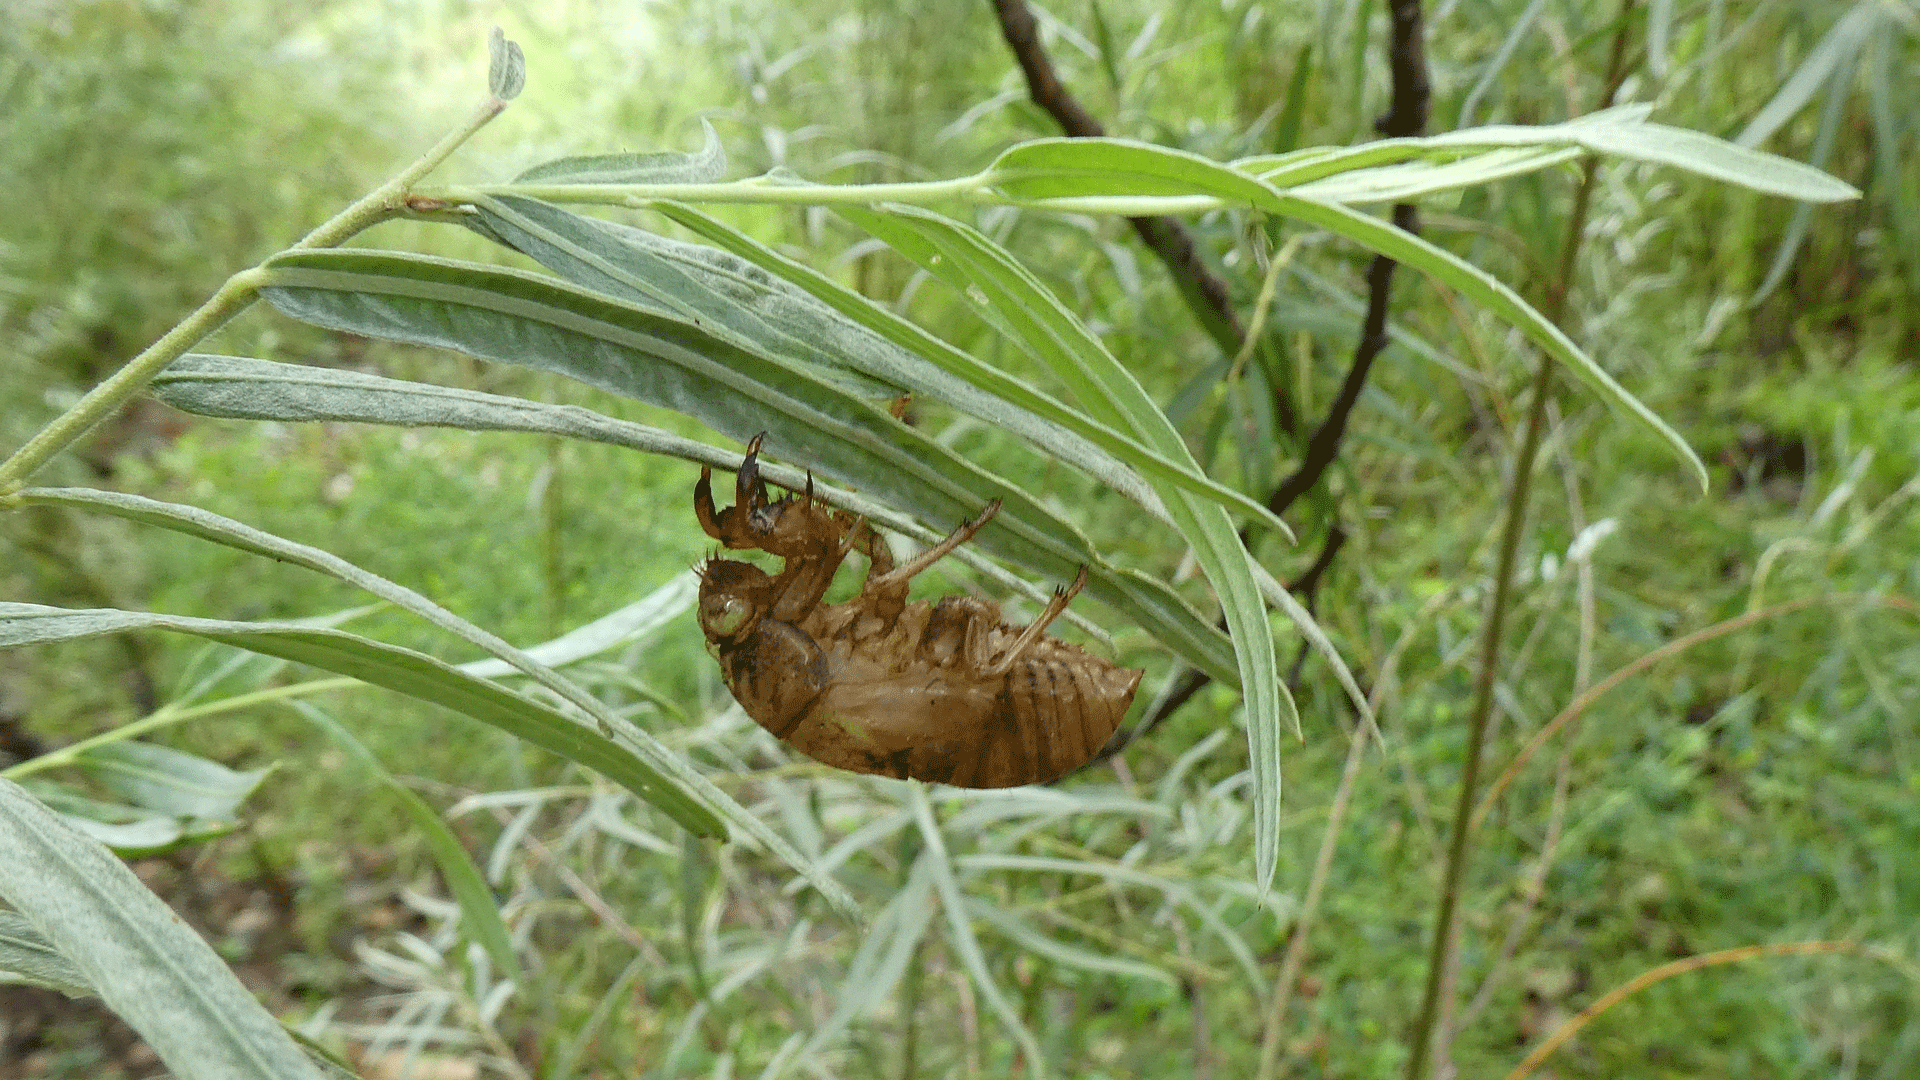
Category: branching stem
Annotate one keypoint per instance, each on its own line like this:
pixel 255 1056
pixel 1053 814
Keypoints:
pixel 236 295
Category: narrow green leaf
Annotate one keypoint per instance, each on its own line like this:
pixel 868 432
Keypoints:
pixel 1077 168
pixel 1286 134
pixel 1831 112
pixel 613 996
pixel 477 907
pixel 1169 790
pixel 401 670
pixel 1130 875
pixel 1103 37
pixel 1424 256
pixel 960 929
pixel 171 781
pixel 631 623
pixel 1717 159
pixel 242 388
pixel 1303 620
pixel 26 956
pixel 1491 293
pixel 1357 41
pixel 1033 941
pixel 704 166
pixel 1840 45
pixel 1287 171
pixel 709 288
pixel 772 304
pixel 1010 297
pixel 885 951
pixel 1620 132
pixel 1409 181
pixel 524 319
pixel 679 789
pixel 1516 32
pixel 866 836
pixel 1659 37
pixel 131 831
pixel 1042 803
pixel 1894 181
pixel 147 965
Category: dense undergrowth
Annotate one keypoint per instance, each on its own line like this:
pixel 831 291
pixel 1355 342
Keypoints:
pixel 1756 789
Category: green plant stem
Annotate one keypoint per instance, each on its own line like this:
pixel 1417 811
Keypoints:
pixel 393 197
pixel 1268 287
pixel 107 397
pixel 761 191
pixel 168 715
pixel 1460 844
pixel 236 295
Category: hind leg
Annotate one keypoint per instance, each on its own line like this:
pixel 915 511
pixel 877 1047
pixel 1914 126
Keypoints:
pixel 979 651
pixel 895 580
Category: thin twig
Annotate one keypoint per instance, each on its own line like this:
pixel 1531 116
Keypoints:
pixel 1458 845
pixel 1539 1054
pixel 233 297
pixel 1203 291
pixel 1407 116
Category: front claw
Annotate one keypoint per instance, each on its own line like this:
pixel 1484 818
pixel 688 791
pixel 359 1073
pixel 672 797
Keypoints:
pixel 748 489
pixel 703 504
pixel 750 492
pixel 737 525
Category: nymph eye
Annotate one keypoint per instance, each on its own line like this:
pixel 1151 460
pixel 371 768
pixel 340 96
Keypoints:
pixel 730 618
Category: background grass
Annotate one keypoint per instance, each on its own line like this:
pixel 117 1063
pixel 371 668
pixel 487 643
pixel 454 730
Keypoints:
pixel 1757 789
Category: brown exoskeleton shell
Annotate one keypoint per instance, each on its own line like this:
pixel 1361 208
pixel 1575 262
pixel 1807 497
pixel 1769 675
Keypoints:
pixel 940 691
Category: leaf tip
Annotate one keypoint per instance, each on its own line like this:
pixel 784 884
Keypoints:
pixel 507 66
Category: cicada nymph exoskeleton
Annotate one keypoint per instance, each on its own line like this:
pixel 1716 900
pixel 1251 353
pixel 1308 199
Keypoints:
pixel 934 690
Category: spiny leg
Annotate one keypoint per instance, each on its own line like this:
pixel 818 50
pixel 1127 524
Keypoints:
pixel 1061 598
pixel 898 577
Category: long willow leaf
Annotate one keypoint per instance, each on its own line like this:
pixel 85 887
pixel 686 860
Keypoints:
pixel 26 956
pixel 1012 298
pixel 676 787
pixel 1619 132
pixel 394 668
pixel 1122 167
pixel 520 318
pixel 926 364
pixel 242 388
pixel 146 964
